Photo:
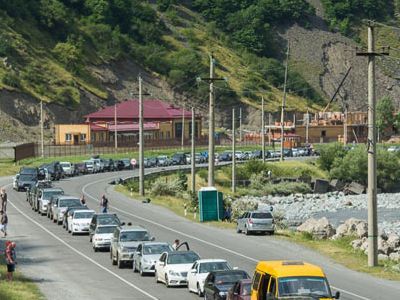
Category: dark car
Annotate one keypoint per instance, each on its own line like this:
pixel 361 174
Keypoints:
pixel 225 156
pixel 240 291
pixel 218 283
pixel 55 170
pixel 81 168
pixel 102 219
pixel 32 193
pixel 153 161
pixel 124 164
pixel 29 171
pixel 179 159
pixel 287 152
pixel 22 182
pixel 109 165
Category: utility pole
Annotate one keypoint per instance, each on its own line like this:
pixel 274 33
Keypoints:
pixel 233 152
pixel 41 129
pixel 307 124
pixel 345 125
pixel 263 128
pixel 211 121
pixel 240 125
pixel 284 102
pixel 183 129
pixel 193 161
pixel 115 127
pixel 269 129
pixel 141 140
pixel 372 165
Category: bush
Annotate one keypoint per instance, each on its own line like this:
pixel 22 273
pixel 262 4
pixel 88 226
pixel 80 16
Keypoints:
pixel 203 174
pixel 163 187
pixel 240 206
pixel 328 153
pixel 11 79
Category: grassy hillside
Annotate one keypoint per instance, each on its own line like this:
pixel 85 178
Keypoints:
pixel 50 45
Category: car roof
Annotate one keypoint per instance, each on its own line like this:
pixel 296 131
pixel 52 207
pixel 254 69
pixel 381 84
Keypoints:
pixel 47 189
pixel 134 228
pixel 155 243
pixel 183 252
pixel 107 225
pixel 223 272
pixel 282 268
pixel 62 197
pixel 84 210
pixel 202 261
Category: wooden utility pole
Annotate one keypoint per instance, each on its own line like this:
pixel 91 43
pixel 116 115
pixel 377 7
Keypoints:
pixel 284 103
pixel 269 129
pixel 263 128
pixel 115 128
pixel 345 125
pixel 372 165
pixel 193 160
pixel 41 129
pixel 141 141
pixel 183 128
pixel 307 124
pixel 233 152
pixel 240 125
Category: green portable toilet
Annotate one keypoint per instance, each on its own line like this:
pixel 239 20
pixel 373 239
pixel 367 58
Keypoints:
pixel 211 204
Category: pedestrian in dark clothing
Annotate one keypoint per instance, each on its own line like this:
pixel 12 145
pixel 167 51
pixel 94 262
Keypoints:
pixel 83 200
pixel 104 204
pixel 4 222
pixel 3 200
pixel 11 260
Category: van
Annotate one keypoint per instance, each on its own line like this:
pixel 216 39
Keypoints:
pixel 274 280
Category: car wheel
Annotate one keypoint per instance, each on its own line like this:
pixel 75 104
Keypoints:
pixel 119 262
pixel 272 232
pixel 166 281
pixel 199 292
pixel 246 231
pixel 95 249
pixel 73 233
pixel 156 276
pixel 141 271
pixel 114 262
pixel 135 269
pixel 238 230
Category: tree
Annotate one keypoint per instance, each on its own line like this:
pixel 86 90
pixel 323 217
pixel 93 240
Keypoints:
pixel 68 54
pixel 384 115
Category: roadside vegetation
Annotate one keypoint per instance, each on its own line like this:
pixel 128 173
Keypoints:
pixel 341 251
pixel 20 288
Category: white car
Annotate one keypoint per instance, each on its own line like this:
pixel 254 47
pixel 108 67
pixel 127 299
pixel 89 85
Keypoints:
pixel 146 256
pixel 200 270
pixel 79 221
pixel 102 237
pixel 172 267
pixel 68 168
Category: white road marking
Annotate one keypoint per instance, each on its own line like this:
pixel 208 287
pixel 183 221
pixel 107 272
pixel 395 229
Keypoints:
pixel 82 254
pixel 195 238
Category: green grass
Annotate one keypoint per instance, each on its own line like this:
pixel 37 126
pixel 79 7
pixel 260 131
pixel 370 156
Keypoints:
pixel 341 251
pixel 21 288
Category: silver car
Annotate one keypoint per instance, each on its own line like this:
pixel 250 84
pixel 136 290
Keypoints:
pixel 146 256
pixel 45 196
pixel 256 221
pixel 124 243
pixel 68 168
pixel 61 205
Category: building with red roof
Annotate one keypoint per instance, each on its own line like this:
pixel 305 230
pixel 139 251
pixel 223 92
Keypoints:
pixel 162 121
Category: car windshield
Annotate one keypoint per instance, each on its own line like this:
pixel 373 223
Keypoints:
pixel 65 165
pixel 84 215
pixel 131 236
pixel 246 289
pixel 89 163
pixel 48 195
pixel 265 215
pixel 108 220
pixel 31 171
pixel 26 177
pixel 230 278
pixel 105 229
pixel 69 202
pixel 182 258
pixel 162 157
pixel 304 286
pixel 213 266
pixel 156 249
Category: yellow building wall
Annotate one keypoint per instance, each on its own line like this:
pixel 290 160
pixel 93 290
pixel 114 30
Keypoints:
pixel 74 132
pixel 315 133
pixel 188 124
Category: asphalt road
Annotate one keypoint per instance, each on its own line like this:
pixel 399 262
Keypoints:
pixel 66 267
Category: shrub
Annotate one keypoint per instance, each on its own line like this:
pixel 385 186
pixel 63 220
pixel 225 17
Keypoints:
pixel 11 79
pixel 329 153
pixel 240 206
pixel 162 187
pixel 203 174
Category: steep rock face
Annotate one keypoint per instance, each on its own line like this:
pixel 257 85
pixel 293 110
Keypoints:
pixel 323 58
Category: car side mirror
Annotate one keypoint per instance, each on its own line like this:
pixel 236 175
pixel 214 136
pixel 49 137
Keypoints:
pixel 337 295
pixel 138 253
pixel 193 271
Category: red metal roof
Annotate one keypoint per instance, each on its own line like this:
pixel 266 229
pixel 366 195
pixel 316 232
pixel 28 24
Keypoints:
pixel 95 127
pixel 129 109
pixel 134 127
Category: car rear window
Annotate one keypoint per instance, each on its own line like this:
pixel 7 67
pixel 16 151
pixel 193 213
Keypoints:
pixel 264 215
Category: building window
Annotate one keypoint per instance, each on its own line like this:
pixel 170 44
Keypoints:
pixel 83 137
pixel 323 133
pixel 68 137
pixel 168 135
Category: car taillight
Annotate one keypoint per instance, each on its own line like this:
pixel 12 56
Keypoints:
pixel 250 221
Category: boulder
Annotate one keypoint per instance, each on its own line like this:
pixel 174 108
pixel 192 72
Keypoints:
pixel 383 247
pixel 341 231
pixel 393 240
pixel 356 244
pixel 364 245
pixel 320 228
pixel 362 229
pixel 395 256
pixel 321 186
pixel 354 188
pixel 336 185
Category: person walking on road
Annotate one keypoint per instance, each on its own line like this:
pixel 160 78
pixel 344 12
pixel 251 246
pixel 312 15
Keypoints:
pixel 83 200
pixel 103 204
pixel 175 244
pixel 3 199
pixel 11 259
pixel 4 222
